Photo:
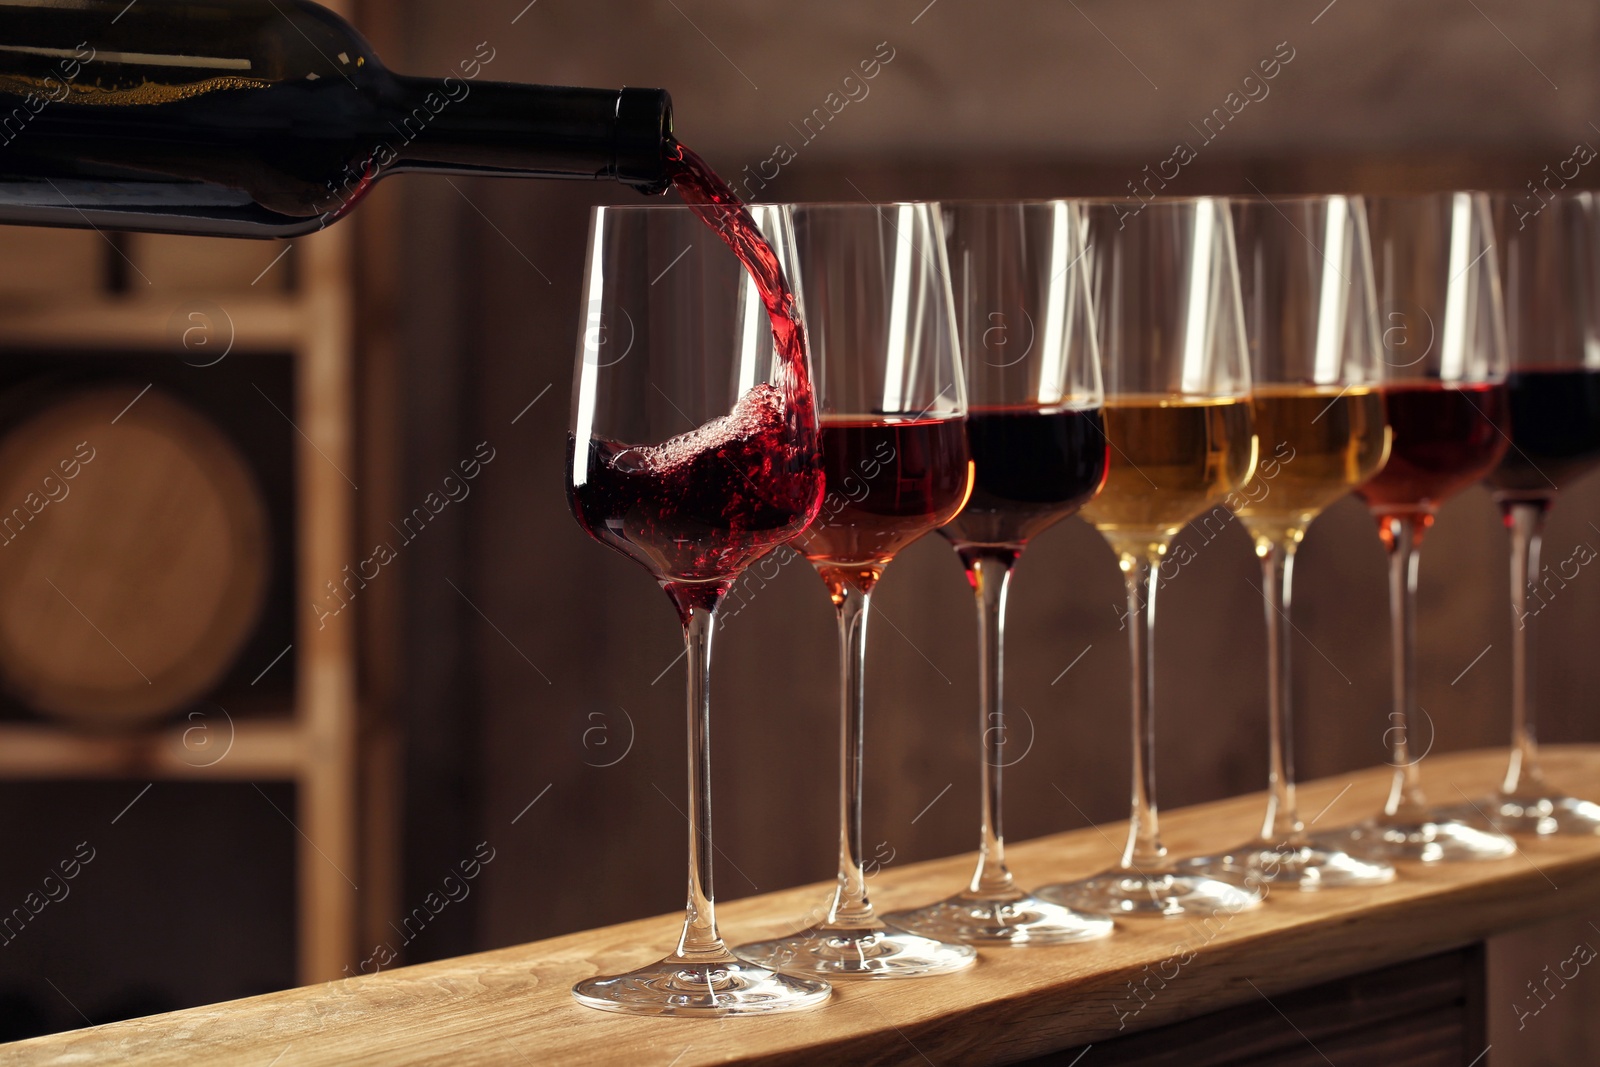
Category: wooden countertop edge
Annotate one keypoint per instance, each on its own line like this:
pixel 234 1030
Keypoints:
pixel 1016 1003
pixel 1228 972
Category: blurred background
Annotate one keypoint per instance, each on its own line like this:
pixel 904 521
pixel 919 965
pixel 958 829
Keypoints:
pixel 325 747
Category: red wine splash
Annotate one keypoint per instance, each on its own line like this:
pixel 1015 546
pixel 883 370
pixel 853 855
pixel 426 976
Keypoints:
pixel 721 209
pixel 702 506
pixel 699 508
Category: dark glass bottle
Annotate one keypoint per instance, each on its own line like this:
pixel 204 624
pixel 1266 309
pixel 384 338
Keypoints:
pixel 269 118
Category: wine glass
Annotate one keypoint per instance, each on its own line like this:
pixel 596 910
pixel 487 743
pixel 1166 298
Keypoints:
pixel 1448 410
pixel 1172 343
pixel 1305 267
pixel 894 446
pixel 1039 453
pixel 1552 302
pixel 694 451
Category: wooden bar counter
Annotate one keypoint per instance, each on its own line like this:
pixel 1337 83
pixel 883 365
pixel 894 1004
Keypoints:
pixel 1299 979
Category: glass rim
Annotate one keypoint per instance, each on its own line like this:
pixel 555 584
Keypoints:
pixel 1361 194
pixel 1295 198
pixel 1012 201
pixel 598 209
pixel 1427 195
pixel 1500 196
pixel 1098 201
pixel 1154 201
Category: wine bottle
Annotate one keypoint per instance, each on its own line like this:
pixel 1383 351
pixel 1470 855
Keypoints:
pixel 269 118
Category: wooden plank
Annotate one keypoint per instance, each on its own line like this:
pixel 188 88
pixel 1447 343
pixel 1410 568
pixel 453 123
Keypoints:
pixel 1557 1025
pixel 1420 1012
pixel 254 323
pixel 383 443
pixel 513 1004
pixel 327 559
pixel 39 265
pixel 214 748
pixel 179 265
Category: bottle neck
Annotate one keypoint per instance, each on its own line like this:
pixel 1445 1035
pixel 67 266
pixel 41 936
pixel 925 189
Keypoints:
pixel 545 131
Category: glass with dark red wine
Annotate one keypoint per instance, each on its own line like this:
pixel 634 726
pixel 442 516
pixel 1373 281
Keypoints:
pixel 1039 453
pixel 1444 390
pixel 894 445
pixel 1550 273
pixel 694 452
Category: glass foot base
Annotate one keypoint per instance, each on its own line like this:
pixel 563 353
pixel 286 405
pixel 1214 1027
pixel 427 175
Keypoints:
pixel 1438 838
pixel 1163 893
pixel 700 990
pixel 1018 919
pixel 1304 867
pixel 724 987
pixel 880 951
pixel 1543 815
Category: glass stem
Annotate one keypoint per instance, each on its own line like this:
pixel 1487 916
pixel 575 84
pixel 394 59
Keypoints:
pixel 1144 848
pixel 1525 520
pixel 1282 825
pixel 1403 540
pixel 700 940
pixel 990 575
pixel 850 906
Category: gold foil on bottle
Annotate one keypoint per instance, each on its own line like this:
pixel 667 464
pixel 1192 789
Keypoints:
pixel 146 92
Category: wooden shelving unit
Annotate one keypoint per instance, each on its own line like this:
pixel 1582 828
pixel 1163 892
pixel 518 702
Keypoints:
pixel 313 742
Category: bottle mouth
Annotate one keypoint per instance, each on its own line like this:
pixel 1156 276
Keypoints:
pixel 642 133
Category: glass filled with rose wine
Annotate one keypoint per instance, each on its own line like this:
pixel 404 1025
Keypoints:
pixel 893 409
pixel 1444 391
pixel 1039 453
pixel 1550 273
pixel 694 451
pixel 1305 267
pixel 1165 288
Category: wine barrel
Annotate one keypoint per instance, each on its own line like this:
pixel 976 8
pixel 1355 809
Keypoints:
pixel 134 556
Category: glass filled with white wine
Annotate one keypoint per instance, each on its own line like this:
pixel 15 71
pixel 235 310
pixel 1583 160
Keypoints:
pixel 1305 266
pixel 1165 286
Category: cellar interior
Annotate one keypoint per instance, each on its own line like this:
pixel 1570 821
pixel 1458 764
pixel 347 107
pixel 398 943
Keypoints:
pixel 514 694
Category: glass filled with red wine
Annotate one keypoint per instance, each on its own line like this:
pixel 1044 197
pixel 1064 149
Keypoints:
pixel 1444 392
pixel 1550 273
pixel 1039 452
pixel 694 452
pixel 893 406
